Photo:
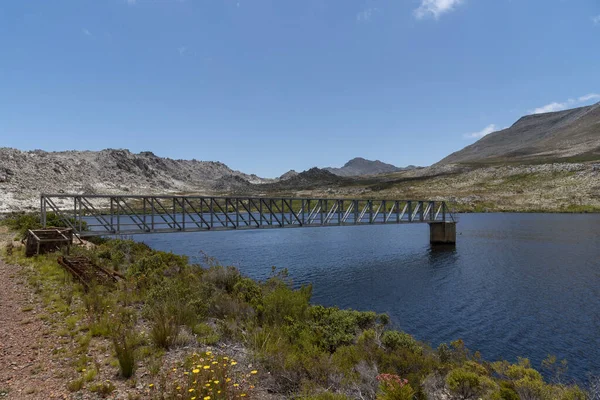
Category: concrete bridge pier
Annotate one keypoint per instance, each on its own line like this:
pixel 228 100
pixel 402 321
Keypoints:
pixel 442 233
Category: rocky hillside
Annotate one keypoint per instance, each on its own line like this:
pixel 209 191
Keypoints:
pixel 570 135
pixel 359 167
pixel 24 175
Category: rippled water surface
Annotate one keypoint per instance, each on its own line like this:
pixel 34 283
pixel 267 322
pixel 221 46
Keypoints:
pixel 515 285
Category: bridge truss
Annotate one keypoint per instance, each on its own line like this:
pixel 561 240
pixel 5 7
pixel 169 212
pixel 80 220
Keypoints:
pixel 99 215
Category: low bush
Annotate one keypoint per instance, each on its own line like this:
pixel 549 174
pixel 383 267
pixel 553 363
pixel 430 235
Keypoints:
pixel 163 327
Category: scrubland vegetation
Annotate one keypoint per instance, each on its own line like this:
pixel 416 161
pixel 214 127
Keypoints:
pixel 208 332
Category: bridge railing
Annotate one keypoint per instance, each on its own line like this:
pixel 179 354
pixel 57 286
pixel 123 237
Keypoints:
pixel 91 215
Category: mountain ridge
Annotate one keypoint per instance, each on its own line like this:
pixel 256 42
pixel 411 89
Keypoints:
pixel 359 166
pixel 554 136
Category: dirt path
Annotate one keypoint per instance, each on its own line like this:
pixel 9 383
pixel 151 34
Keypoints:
pixel 27 368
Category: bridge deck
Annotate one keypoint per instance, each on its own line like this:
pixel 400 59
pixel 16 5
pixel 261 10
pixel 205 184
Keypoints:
pixel 96 215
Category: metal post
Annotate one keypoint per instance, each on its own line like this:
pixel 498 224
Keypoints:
pixel 43 209
pixel 210 209
pixel 153 210
pixel 112 221
pixel 80 215
pixel 118 215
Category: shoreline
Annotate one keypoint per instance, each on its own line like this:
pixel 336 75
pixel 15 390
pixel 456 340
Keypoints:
pixel 234 312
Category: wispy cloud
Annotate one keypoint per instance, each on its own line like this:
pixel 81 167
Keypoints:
pixel 131 2
pixel 182 50
pixel 484 132
pixel 552 107
pixel 86 32
pixel 588 97
pixel 435 8
pixel 596 20
pixel 559 106
pixel 366 15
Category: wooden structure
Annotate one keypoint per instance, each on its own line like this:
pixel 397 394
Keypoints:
pixel 41 241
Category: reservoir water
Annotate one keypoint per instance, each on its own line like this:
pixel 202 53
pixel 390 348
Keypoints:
pixel 523 285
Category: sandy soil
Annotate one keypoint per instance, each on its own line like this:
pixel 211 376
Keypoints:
pixel 27 368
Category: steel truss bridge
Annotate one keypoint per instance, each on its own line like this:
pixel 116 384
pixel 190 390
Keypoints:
pixel 99 215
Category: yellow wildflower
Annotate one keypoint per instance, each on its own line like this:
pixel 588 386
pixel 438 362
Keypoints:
pixel 196 371
pixel 228 380
pixel 207 385
pixel 243 395
pixel 178 387
pixel 206 367
pixel 151 385
pixel 233 363
pixel 206 397
pixel 236 384
pixel 191 390
pixel 208 353
pixel 254 372
pixel 215 362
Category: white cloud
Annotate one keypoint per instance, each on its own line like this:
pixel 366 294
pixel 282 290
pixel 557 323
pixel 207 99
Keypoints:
pixel 588 97
pixel 596 20
pixel 86 32
pixel 131 2
pixel 366 15
pixel 556 106
pixel 182 50
pixel 435 8
pixel 552 107
pixel 484 132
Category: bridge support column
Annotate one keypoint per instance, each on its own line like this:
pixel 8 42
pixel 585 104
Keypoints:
pixel 442 233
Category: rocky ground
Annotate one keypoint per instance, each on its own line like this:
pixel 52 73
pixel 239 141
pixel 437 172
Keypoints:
pixel 24 175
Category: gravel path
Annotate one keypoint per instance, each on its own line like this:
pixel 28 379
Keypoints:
pixel 27 368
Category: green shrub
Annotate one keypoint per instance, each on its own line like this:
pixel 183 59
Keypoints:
pixel 467 384
pixel 205 334
pixel 394 340
pixel 103 389
pixel 22 222
pixel 163 327
pixel 284 304
pixel 124 343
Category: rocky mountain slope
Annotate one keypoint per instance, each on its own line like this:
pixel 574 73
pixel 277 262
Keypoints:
pixel 24 175
pixel 359 166
pixel 570 135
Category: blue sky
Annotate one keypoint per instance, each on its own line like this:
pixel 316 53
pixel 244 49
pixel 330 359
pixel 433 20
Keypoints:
pixel 268 86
